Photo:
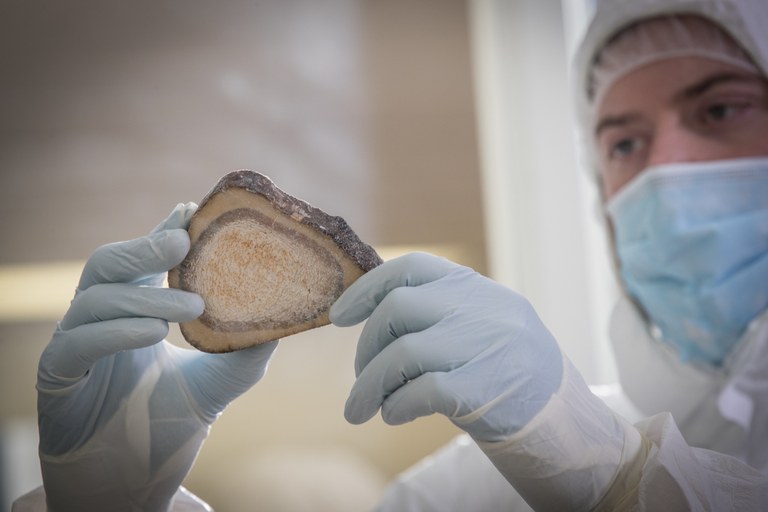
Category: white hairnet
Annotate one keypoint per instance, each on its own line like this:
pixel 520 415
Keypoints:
pixel 745 21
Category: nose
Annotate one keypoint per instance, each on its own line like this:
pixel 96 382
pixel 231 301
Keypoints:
pixel 674 141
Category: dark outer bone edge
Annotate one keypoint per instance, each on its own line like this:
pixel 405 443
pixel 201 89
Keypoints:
pixel 335 227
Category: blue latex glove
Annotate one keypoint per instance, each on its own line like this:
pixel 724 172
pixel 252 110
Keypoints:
pixel 122 413
pixel 441 338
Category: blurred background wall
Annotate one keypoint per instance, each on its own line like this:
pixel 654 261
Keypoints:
pixel 385 113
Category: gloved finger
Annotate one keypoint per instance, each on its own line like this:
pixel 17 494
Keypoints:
pixel 214 380
pixel 178 218
pixel 428 394
pixel 361 298
pixel 398 364
pixel 404 310
pixel 71 353
pixel 129 261
pixel 118 300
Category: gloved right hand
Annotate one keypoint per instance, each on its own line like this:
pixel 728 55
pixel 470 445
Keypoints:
pixel 122 413
pixel 441 338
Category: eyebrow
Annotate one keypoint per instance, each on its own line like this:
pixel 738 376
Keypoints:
pixel 700 88
pixel 688 93
pixel 615 122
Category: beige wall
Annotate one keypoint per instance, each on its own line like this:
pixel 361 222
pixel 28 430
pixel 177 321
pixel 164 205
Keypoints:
pixel 112 112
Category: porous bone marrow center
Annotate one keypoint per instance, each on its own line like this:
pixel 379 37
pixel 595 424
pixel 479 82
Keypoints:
pixel 244 257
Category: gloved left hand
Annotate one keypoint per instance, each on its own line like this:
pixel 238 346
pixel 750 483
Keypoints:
pixel 122 413
pixel 442 338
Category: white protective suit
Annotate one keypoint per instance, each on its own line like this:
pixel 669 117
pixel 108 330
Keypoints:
pixel 717 410
pixel 723 410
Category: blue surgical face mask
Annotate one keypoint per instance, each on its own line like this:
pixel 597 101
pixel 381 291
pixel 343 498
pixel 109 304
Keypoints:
pixel 692 241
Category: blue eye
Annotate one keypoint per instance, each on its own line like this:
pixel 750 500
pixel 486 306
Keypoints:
pixel 625 147
pixel 720 112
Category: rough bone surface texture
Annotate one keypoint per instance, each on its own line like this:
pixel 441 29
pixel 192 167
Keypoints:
pixel 266 264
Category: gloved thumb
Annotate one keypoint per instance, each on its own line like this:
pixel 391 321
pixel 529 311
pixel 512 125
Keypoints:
pixel 178 219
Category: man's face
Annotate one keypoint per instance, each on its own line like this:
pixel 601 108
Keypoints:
pixel 684 109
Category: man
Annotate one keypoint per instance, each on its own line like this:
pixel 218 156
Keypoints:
pixel 674 109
